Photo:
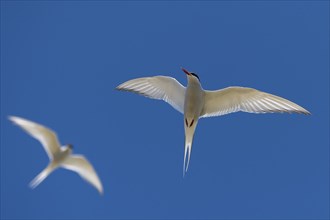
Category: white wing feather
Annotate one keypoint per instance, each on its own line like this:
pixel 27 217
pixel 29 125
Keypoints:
pixel 46 136
pixel 233 99
pixel 80 164
pixel 158 87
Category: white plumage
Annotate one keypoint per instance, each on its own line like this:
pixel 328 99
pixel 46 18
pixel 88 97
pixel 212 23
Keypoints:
pixel 58 156
pixel 195 103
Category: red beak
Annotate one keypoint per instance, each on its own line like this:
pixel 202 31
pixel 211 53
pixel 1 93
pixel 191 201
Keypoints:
pixel 185 71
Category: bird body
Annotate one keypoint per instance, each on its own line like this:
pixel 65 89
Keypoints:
pixel 194 99
pixel 194 102
pixel 62 154
pixel 58 156
pixel 193 106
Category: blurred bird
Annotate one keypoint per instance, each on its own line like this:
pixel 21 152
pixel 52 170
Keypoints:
pixel 58 156
pixel 194 102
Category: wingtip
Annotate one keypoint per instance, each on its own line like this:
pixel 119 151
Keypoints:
pixel 101 192
pixel 304 112
pixel 99 188
pixel 307 113
pixel 14 119
pixel 121 88
pixel 11 118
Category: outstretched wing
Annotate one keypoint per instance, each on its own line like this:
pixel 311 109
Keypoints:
pixel 46 136
pixel 158 87
pixel 233 99
pixel 84 168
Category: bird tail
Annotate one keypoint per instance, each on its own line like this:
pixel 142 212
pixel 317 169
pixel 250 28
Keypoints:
pixel 189 133
pixel 186 159
pixel 41 176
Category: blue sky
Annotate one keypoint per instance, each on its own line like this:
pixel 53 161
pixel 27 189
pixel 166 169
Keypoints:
pixel 60 63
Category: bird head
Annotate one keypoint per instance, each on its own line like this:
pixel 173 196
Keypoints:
pixel 190 75
pixel 70 146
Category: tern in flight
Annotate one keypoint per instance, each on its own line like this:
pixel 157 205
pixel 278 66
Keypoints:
pixel 58 156
pixel 194 102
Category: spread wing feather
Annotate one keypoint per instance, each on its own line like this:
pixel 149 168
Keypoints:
pixel 158 87
pixel 233 99
pixel 44 135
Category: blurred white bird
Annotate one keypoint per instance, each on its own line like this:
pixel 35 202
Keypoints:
pixel 195 103
pixel 58 156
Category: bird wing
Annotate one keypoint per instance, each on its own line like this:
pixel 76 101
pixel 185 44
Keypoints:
pixel 158 87
pixel 233 99
pixel 46 136
pixel 84 168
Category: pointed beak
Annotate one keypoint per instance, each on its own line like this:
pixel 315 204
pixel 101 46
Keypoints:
pixel 185 71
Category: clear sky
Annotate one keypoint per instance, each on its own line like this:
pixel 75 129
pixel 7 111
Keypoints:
pixel 60 63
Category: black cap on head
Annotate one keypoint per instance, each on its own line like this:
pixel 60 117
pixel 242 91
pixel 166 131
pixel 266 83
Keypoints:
pixel 190 73
pixel 70 146
pixel 194 74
